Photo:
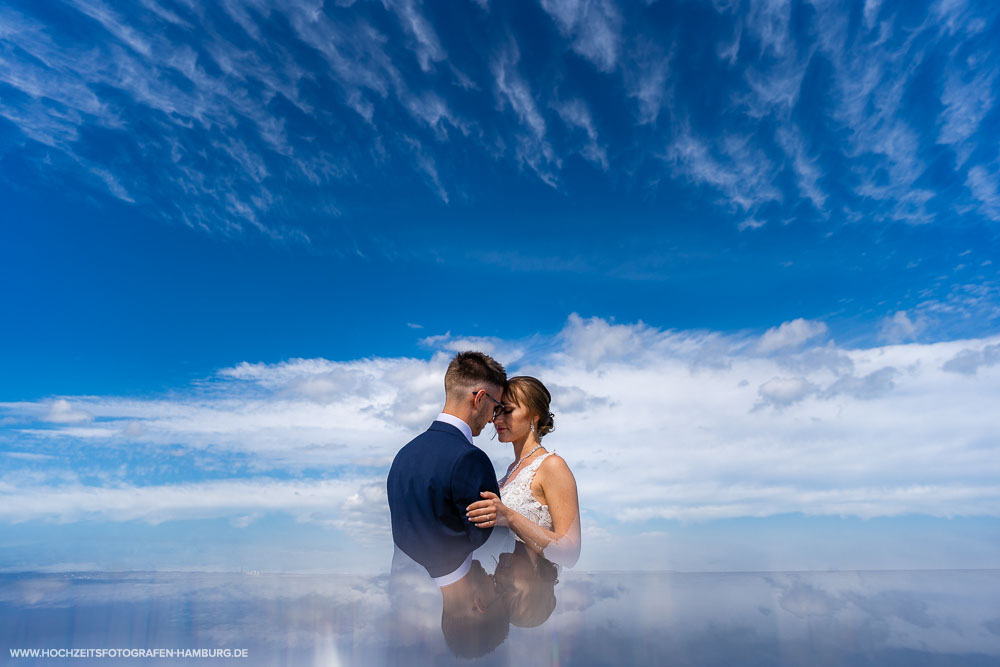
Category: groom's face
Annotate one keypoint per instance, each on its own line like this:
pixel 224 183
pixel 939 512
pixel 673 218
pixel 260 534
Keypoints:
pixel 484 409
pixel 484 588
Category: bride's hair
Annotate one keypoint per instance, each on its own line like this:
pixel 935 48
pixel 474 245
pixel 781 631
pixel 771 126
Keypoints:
pixel 535 601
pixel 530 393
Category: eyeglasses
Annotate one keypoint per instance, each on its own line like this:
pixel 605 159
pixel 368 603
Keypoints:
pixel 499 592
pixel 499 405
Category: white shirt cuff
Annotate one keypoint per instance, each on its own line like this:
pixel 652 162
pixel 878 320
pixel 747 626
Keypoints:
pixel 462 570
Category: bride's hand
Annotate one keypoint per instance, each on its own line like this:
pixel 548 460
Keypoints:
pixel 488 512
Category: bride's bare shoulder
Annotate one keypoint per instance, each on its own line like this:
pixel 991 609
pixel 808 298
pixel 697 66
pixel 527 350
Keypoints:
pixel 554 465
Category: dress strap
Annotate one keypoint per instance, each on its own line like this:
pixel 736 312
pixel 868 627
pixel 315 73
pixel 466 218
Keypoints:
pixel 537 462
pixel 525 474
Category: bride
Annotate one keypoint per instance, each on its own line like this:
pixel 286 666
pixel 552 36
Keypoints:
pixel 538 499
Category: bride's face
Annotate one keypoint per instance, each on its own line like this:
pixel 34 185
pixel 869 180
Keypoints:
pixel 513 422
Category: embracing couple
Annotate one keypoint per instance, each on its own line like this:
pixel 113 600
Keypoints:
pixel 445 500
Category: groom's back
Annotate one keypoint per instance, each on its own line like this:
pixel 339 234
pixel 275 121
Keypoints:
pixel 432 480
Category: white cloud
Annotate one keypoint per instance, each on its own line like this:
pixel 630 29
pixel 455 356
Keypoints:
pixel 230 87
pixel 505 352
pixel 953 16
pixel 594 26
pixel 357 505
pixel 970 361
pixel 428 47
pixel 146 70
pixel 966 103
pixel 769 21
pixel 424 162
pixel 516 92
pixel 433 110
pixel 899 327
pixel 750 223
pixel 513 89
pixel 61 412
pixel 575 114
pixel 806 167
pixel 790 334
pixel 692 425
pixel 780 391
pixel 873 70
pixel 871 77
pixel 962 303
pixel 114 25
pixel 28 456
pixel 595 341
pixel 983 184
pixel 734 166
pixel 646 78
pixel 112 183
pixel 871 12
pixel 875 384
pixel 170 16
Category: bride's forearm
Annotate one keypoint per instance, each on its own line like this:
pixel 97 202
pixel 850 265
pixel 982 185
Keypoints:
pixel 533 535
pixel 561 548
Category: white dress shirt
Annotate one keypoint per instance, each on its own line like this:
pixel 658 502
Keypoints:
pixel 457 423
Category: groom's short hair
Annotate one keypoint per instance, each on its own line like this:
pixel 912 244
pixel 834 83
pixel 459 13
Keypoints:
pixel 471 635
pixel 469 369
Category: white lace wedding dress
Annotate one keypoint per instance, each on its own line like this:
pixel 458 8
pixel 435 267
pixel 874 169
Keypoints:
pixel 516 495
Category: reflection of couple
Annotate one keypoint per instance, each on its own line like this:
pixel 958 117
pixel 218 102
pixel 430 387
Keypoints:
pixel 444 500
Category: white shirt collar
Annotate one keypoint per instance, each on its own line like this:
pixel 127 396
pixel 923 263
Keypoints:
pixel 457 423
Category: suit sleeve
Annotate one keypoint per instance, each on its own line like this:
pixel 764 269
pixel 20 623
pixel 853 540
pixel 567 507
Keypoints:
pixel 473 473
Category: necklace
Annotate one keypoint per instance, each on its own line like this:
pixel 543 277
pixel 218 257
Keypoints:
pixel 514 466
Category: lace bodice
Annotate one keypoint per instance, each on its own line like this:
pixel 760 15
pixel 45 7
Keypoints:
pixel 516 495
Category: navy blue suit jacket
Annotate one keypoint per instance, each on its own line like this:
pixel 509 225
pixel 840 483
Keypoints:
pixel 432 480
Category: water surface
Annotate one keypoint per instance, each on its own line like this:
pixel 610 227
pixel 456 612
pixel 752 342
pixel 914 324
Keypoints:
pixel 783 618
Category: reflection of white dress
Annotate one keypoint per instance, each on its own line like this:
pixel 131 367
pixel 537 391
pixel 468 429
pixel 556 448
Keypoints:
pixel 516 495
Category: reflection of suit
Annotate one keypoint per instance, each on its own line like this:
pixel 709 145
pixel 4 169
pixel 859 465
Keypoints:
pixel 432 480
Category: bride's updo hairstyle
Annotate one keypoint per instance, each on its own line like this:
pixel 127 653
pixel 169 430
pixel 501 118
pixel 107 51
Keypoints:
pixel 530 393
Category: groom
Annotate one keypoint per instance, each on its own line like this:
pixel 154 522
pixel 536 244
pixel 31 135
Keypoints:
pixel 432 480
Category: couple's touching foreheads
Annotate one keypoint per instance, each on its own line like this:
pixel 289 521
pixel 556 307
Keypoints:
pixel 445 500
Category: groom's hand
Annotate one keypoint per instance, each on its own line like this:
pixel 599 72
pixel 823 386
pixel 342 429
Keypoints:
pixel 488 512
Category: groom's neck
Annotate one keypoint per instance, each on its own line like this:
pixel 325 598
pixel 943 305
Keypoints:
pixel 458 591
pixel 460 411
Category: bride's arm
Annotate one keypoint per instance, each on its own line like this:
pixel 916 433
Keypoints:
pixel 559 487
pixel 561 544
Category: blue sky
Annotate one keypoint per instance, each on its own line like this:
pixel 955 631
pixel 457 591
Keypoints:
pixel 240 241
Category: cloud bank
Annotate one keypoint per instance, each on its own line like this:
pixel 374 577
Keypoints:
pixel 656 425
